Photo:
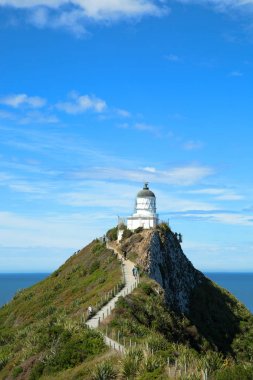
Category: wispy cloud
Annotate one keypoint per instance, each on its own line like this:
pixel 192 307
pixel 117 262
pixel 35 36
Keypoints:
pixel 82 103
pixel 223 5
pixel 172 58
pixel 58 230
pixel 184 176
pixel 74 15
pixel 122 113
pixel 219 194
pixel 192 145
pixel 235 74
pixel 144 127
pixel 149 169
pixel 19 100
pixel 224 218
pixel 38 118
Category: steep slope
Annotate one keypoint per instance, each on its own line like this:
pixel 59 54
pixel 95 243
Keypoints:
pixel 42 329
pixel 175 313
pixel 216 315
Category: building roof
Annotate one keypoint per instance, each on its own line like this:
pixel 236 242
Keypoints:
pixel 145 192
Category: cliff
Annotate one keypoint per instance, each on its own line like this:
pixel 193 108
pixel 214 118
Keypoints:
pixel 213 312
pixel 160 255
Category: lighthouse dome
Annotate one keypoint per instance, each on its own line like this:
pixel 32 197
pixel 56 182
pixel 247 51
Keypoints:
pixel 145 192
pixel 145 215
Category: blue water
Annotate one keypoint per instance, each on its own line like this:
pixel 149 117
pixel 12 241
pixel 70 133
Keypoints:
pixel 239 284
pixel 10 283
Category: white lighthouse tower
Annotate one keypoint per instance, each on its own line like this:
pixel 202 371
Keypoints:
pixel 145 215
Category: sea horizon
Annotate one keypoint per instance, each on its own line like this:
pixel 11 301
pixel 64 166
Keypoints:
pixel 240 284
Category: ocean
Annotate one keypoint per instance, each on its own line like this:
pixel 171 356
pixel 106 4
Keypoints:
pixel 10 283
pixel 239 284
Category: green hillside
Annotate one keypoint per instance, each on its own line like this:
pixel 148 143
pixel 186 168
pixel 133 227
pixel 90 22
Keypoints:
pixel 42 329
pixel 43 334
pixel 217 335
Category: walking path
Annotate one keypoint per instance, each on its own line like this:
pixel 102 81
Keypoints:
pixel 130 284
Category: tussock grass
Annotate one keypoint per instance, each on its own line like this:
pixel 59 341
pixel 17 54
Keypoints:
pixel 42 329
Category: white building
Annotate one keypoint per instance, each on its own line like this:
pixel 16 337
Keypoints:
pixel 145 210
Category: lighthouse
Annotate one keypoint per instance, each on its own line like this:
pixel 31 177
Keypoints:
pixel 145 215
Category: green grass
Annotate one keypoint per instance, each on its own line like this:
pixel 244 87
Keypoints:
pixel 42 329
pixel 215 336
pixel 43 334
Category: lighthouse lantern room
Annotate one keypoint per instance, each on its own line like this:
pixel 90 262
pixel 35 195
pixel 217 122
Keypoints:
pixel 145 215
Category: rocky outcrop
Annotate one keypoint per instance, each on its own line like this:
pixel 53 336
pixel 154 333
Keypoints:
pixel 159 254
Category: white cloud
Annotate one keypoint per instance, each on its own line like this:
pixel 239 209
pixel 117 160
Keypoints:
pixel 209 191
pixel 55 230
pixel 235 219
pixel 82 103
pixel 223 5
pixel 145 127
pixel 122 113
pixel 220 194
pixel 38 118
pixel 189 175
pixel 183 176
pixel 192 145
pixel 229 197
pixel 149 169
pixel 19 100
pixel 53 14
pixel 172 58
pixel 236 74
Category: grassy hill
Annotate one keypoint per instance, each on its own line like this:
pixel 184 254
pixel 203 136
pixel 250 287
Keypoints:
pixel 43 335
pixel 217 335
pixel 42 329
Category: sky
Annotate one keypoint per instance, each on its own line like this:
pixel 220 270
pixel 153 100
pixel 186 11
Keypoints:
pixel 98 96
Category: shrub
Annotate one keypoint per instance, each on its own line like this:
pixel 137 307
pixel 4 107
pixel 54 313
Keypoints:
pixel 147 289
pixel 163 226
pixel 112 234
pixel 139 229
pixel 157 343
pixel 17 371
pixel 127 233
pixel 37 371
pixel 151 363
pixel 3 360
pixel 104 371
pixel 131 364
pixel 98 248
pixel 234 373
pixel 94 266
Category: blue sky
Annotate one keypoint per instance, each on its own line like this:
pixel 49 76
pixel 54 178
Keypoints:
pixel 97 97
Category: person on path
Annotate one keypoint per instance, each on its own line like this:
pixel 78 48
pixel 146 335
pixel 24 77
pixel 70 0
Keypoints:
pixel 90 311
pixel 125 255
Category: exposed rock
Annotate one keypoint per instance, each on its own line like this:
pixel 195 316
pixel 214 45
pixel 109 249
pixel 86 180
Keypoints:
pixel 160 255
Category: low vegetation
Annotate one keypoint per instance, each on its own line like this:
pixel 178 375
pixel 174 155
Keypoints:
pixel 43 333
pixel 171 343
pixel 42 329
